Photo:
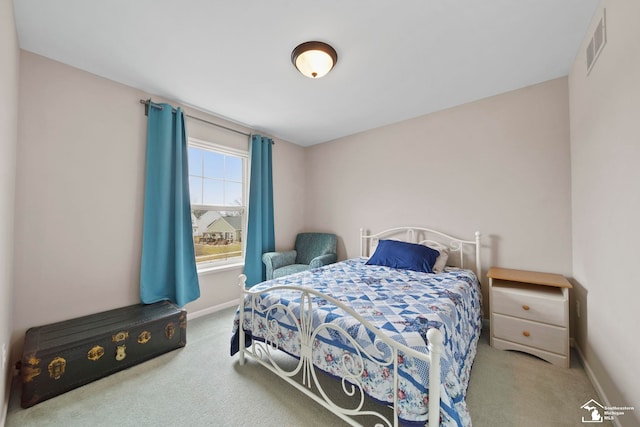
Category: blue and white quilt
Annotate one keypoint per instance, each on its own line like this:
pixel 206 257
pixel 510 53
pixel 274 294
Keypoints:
pixel 403 304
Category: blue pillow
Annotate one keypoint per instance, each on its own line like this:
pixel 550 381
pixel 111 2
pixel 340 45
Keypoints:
pixel 404 256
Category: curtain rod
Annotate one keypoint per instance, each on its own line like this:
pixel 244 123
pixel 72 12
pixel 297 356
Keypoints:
pixel 148 102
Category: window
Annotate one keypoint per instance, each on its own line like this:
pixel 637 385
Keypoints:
pixel 217 186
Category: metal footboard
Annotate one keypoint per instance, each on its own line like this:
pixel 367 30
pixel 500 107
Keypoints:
pixel 384 354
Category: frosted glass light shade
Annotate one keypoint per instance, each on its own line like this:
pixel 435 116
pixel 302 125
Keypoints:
pixel 314 59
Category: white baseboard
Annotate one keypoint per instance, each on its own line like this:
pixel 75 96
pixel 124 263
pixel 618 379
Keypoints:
pixel 213 309
pixel 5 404
pixel 5 408
pixel 594 380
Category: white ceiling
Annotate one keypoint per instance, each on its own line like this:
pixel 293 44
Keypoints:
pixel 396 59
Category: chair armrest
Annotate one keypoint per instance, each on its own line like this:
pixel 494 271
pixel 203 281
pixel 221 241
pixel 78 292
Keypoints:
pixel 275 260
pixel 321 260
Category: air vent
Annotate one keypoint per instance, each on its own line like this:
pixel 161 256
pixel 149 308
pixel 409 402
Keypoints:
pixel 598 40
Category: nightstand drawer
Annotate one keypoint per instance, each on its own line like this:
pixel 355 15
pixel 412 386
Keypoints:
pixel 539 304
pixel 532 334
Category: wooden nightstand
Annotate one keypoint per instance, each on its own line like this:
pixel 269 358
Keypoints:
pixel 530 313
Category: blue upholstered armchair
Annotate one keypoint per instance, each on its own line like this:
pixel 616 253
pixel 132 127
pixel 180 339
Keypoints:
pixel 312 250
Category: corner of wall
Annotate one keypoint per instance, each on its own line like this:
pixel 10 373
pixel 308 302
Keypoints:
pixel 9 70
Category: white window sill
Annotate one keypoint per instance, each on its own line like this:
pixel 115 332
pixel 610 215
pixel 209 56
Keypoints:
pixel 205 270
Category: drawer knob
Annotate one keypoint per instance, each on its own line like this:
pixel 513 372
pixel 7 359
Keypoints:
pixel 526 333
pixel 525 307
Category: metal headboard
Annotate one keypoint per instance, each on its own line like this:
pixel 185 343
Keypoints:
pixel 458 248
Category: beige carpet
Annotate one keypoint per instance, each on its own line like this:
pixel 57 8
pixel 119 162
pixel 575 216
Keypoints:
pixel 201 385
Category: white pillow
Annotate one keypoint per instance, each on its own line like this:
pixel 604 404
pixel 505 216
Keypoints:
pixel 441 261
pixel 373 244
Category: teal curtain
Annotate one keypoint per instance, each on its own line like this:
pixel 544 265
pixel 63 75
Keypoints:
pixel 260 231
pixel 168 266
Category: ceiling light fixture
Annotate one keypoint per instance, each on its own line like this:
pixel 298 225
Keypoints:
pixel 314 59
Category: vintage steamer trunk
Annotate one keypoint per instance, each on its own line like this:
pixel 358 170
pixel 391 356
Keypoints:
pixel 66 355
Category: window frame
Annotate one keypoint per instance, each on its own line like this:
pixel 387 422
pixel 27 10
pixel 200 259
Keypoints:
pixel 218 265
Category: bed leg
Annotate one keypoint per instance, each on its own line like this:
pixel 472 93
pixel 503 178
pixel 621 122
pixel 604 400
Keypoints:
pixel 241 351
pixel 241 341
pixel 478 263
pixel 435 338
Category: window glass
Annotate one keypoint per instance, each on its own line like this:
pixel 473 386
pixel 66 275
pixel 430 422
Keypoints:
pixel 233 169
pixel 195 161
pixel 213 165
pixel 217 188
pixel 212 192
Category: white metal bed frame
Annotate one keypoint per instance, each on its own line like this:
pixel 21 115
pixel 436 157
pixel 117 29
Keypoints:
pixel 352 365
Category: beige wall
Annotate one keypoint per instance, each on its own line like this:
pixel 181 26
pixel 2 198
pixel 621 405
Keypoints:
pixel 499 165
pixel 79 199
pixel 8 140
pixel 605 155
